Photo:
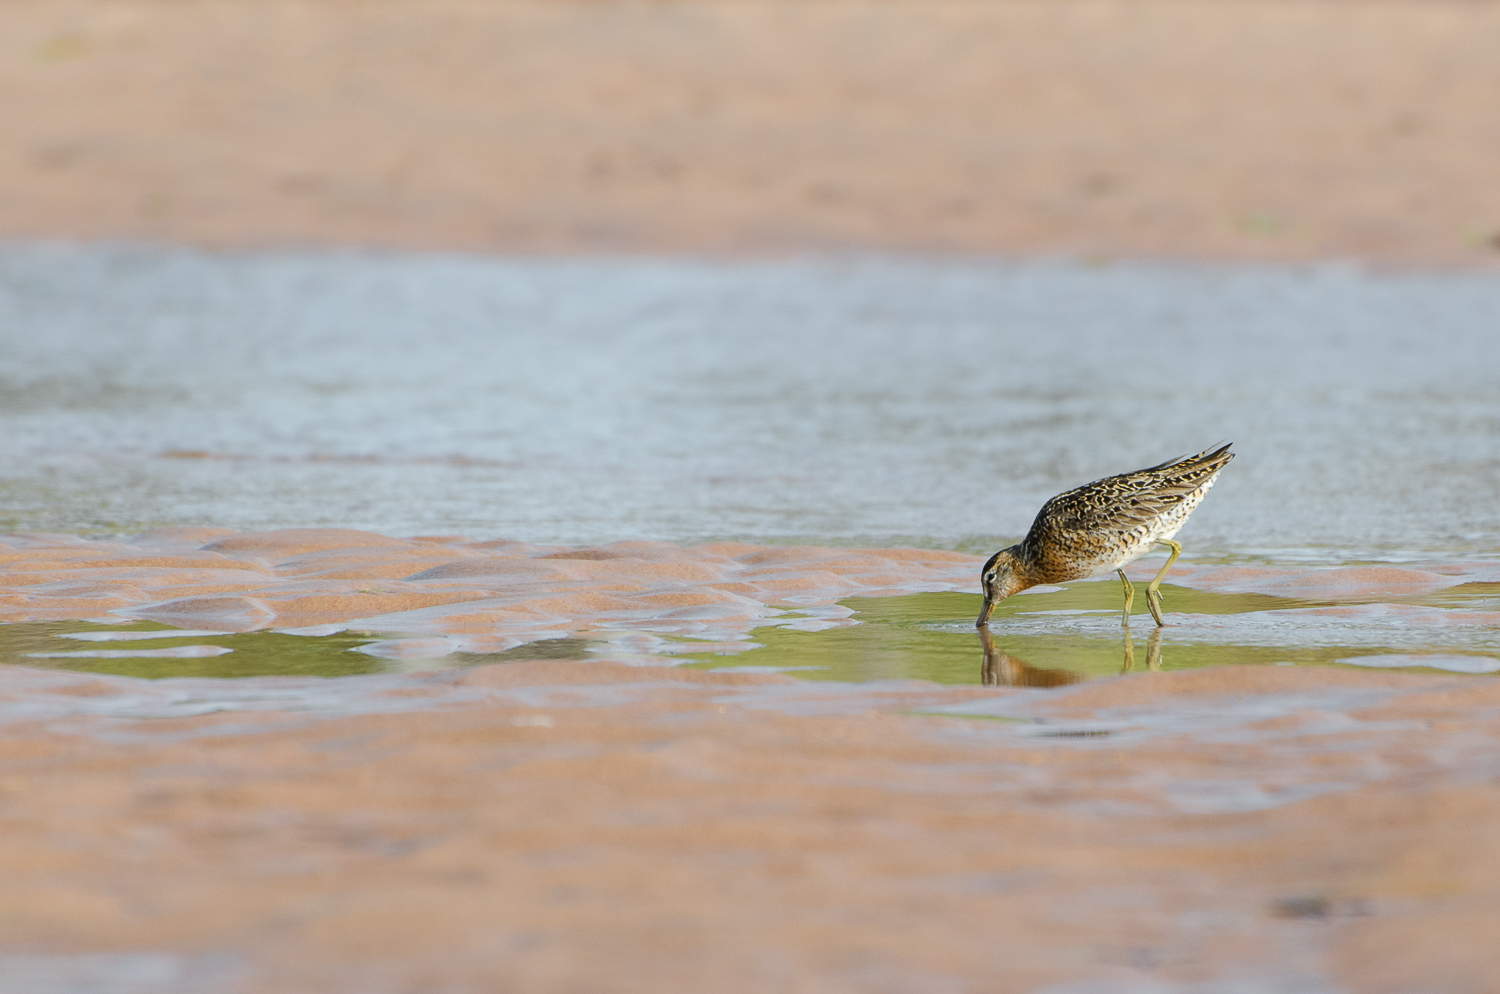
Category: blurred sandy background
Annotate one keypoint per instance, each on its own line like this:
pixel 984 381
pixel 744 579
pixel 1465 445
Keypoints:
pixel 1218 128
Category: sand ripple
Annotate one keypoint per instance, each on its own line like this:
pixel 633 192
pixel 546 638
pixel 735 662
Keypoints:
pixel 447 594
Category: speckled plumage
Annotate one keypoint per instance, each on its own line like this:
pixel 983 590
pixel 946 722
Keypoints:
pixel 1103 525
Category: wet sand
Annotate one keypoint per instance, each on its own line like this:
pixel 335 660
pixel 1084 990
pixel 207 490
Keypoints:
pixel 565 826
pixel 1177 128
pixel 617 824
pixel 449 594
pixel 481 596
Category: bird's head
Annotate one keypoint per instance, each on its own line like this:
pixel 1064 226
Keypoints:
pixel 999 581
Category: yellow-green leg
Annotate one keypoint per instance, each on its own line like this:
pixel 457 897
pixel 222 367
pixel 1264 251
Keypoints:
pixel 1129 598
pixel 1153 591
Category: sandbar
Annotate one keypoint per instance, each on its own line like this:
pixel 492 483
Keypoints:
pixel 1292 129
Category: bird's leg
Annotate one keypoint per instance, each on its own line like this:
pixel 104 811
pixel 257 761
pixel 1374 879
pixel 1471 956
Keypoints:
pixel 1129 597
pixel 1153 591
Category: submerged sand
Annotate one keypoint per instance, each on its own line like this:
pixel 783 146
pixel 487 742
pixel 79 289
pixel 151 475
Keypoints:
pixel 604 825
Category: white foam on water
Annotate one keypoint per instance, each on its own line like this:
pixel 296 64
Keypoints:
pixel 175 652
pixel 409 648
pixel 176 633
pixel 1396 626
pixel 1437 661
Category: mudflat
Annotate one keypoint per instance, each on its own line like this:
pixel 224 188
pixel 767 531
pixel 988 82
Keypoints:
pixel 1289 129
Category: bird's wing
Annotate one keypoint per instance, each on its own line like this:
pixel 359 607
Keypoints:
pixel 1131 499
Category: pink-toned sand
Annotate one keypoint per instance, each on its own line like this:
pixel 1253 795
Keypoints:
pixel 480 596
pixel 1188 128
pixel 468 596
pixel 585 826
pixel 564 827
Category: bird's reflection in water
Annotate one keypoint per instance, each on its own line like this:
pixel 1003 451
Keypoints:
pixel 1153 652
pixel 1001 670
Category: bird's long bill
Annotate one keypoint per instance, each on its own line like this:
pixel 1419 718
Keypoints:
pixel 984 615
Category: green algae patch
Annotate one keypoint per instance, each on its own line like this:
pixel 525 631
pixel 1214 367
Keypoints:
pixel 46 645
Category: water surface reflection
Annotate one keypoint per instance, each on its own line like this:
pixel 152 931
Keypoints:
pixel 1002 670
pixel 1153 652
pixel 1057 638
pixel 1048 640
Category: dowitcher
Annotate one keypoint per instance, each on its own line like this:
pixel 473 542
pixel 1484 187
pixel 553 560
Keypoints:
pixel 1103 525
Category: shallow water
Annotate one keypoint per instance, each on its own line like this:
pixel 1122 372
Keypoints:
pixel 884 401
pixel 860 400
pixel 1053 638
pixel 1074 634
pixel 142 650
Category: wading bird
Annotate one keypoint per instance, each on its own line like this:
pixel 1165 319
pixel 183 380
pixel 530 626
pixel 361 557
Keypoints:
pixel 1103 525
